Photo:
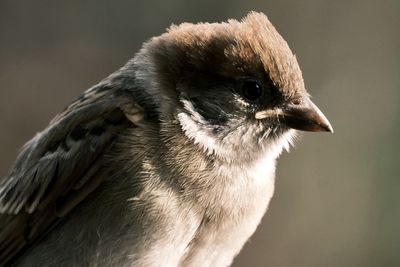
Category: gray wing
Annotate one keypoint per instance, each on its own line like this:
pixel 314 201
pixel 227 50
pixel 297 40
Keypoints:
pixel 60 166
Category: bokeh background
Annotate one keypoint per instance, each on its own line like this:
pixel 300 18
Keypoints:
pixel 337 200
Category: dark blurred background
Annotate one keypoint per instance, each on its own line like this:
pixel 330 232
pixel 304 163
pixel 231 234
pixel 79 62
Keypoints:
pixel 337 200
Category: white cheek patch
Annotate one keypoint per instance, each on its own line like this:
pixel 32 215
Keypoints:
pixel 195 127
pixel 200 135
pixel 193 113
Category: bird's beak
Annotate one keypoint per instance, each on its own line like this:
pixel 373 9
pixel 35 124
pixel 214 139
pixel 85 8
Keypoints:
pixel 305 116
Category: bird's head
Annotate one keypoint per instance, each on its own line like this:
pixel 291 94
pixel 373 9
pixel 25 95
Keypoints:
pixel 232 87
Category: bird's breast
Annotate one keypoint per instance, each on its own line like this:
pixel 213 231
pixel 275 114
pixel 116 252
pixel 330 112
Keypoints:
pixel 233 211
pixel 241 188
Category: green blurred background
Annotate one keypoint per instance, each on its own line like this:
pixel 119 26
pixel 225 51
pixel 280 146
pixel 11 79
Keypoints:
pixel 337 196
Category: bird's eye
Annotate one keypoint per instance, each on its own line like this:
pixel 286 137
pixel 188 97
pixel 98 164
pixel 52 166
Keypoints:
pixel 251 90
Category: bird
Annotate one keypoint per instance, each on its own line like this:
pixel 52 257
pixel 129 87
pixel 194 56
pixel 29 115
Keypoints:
pixel 168 161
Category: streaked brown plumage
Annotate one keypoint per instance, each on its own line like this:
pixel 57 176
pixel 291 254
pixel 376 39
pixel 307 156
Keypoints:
pixel 167 162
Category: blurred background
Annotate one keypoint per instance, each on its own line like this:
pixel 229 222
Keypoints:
pixel 337 199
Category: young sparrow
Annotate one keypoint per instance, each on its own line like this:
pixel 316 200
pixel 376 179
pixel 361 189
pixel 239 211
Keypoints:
pixel 169 161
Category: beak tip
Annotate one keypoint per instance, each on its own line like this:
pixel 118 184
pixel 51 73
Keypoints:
pixel 328 128
pixel 307 117
pixel 324 124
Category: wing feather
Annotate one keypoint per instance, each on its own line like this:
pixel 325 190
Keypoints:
pixel 60 166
